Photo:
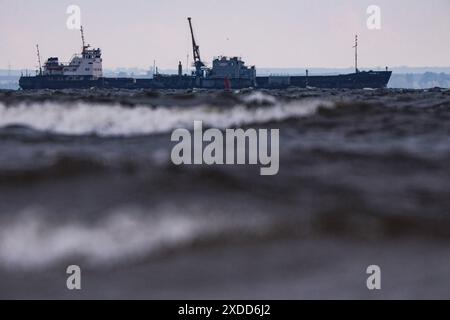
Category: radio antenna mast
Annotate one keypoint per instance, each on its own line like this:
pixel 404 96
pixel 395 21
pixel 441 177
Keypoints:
pixel 39 59
pixel 356 53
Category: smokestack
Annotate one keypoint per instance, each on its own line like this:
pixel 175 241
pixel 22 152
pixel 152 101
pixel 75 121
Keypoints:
pixel 180 69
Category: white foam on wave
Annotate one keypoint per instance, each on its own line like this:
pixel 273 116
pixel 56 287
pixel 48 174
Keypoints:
pixel 31 241
pixel 115 120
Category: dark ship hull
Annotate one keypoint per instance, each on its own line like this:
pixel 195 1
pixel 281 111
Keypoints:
pixel 71 82
pixel 360 80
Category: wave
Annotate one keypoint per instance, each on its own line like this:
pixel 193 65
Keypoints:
pixel 82 118
pixel 32 241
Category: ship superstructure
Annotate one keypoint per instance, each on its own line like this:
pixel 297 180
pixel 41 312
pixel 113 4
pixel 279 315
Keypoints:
pixel 87 64
pixel 224 67
pixel 225 72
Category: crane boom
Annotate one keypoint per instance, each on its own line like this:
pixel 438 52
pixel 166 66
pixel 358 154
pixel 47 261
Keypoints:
pixel 196 50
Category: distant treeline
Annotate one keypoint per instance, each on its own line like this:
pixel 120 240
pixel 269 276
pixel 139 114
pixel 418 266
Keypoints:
pixel 420 81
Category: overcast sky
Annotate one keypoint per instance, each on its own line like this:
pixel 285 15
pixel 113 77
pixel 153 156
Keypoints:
pixel 265 33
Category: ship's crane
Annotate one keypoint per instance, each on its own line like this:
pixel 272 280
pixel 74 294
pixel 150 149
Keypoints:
pixel 199 65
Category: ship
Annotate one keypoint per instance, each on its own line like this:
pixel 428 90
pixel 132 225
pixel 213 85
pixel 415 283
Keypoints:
pixel 84 71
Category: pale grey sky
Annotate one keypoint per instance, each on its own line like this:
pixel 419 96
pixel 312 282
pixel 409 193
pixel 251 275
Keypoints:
pixel 265 33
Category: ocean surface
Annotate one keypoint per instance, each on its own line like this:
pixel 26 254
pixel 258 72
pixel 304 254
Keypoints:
pixel 86 179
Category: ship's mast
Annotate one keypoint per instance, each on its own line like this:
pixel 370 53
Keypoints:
pixel 39 59
pixel 356 53
pixel 196 49
pixel 82 40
